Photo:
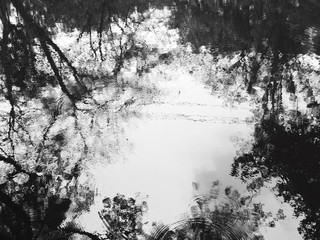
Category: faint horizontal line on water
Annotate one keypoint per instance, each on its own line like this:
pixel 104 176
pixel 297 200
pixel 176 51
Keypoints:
pixel 196 118
pixel 192 104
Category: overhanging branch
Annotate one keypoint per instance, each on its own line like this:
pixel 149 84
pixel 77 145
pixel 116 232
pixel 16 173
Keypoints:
pixel 45 40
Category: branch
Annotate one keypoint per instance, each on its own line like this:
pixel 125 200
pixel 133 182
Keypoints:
pixel 78 129
pixel 91 44
pixel 25 131
pixel 56 71
pixel 44 40
pixel 101 28
pixel 3 151
pixel 44 137
pixel 61 55
pixel 12 115
pixel 78 231
pixel 127 16
pixel 6 61
pixel 12 162
pixel 18 169
pixel 106 224
pixel 88 27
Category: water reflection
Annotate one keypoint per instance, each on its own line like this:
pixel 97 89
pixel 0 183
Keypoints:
pixel 34 206
pixel 215 215
pixel 287 26
pixel 290 153
pixel 286 141
pixel 269 36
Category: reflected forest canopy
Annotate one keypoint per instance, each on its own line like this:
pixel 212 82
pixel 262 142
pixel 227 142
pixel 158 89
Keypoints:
pixel 49 110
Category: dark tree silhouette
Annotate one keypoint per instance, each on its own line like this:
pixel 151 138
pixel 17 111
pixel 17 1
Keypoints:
pixel 292 156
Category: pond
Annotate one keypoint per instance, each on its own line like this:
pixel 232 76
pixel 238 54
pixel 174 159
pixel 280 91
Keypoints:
pixel 160 119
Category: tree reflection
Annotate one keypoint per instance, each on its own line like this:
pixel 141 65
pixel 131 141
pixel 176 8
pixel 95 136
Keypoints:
pixel 123 217
pixel 241 25
pixel 222 213
pixel 287 150
pixel 35 191
pixel 33 206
